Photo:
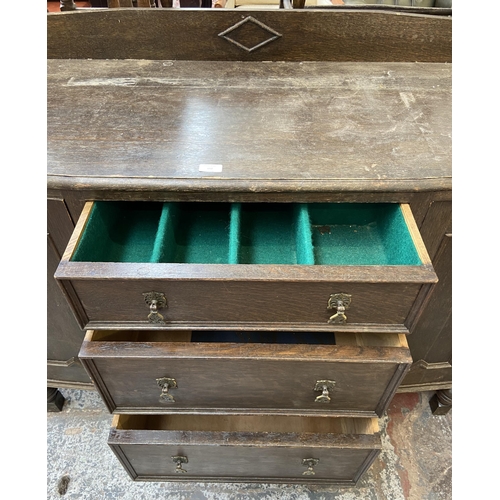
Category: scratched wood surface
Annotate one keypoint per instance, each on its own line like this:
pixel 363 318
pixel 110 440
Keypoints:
pixel 281 126
pixel 301 35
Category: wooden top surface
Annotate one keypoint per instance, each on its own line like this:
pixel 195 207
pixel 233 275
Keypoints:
pixel 279 126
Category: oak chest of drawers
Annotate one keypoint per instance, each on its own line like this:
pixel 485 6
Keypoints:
pixel 246 263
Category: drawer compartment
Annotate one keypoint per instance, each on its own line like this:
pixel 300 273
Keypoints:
pixel 345 374
pixel 255 266
pixel 245 448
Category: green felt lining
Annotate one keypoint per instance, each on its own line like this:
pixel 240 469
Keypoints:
pixel 249 233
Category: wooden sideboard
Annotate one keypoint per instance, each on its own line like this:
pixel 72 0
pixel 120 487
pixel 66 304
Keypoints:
pixel 243 125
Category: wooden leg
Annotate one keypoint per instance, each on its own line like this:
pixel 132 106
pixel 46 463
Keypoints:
pixel 55 400
pixel 440 403
pixel 67 5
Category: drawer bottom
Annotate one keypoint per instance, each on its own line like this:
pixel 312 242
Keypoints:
pixel 263 449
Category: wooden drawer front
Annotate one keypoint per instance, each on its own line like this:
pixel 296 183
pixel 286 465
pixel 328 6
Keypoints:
pixel 247 449
pixel 244 273
pixel 226 377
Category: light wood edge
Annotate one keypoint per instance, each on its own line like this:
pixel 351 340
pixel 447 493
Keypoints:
pixel 120 421
pixel 415 234
pixel 78 231
pixel 371 339
pixel 360 426
pixel 89 336
pixel 403 340
pixel 115 423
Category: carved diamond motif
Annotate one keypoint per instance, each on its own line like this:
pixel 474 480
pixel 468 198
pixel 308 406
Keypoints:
pixel 270 34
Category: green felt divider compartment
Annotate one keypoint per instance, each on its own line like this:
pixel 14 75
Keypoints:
pixel 340 234
pixel 349 234
pixel 194 233
pixel 119 232
pixel 274 234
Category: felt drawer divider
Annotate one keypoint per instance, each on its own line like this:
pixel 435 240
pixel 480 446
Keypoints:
pixel 305 253
pixel 164 245
pixel 234 233
pixel 164 225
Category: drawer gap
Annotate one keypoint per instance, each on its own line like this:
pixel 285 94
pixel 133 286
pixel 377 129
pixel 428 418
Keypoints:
pixel 215 336
pixel 249 423
pixel 250 337
pixel 257 337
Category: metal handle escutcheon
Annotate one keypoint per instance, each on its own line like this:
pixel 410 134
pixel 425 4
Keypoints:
pixel 324 386
pixel 309 463
pixel 165 384
pixel 179 460
pixel 155 301
pixel 340 302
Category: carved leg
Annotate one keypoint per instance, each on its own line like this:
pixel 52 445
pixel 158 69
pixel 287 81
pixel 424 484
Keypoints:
pixel 440 403
pixel 55 400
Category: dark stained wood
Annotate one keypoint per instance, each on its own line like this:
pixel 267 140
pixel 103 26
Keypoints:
pixel 390 140
pixel 416 199
pixel 228 296
pixel 245 456
pixel 64 336
pixel 55 400
pixel 229 378
pixel 440 403
pixel 431 342
pixel 59 224
pixel 306 35
pixel 296 132
pixel 437 224
pixel 228 304
pixel 433 351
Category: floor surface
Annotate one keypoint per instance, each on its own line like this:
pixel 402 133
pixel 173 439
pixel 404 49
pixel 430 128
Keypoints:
pixel 415 462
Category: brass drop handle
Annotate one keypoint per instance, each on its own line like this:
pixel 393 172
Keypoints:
pixel 155 301
pixel 340 302
pixel 165 384
pixel 309 463
pixel 324 386
pixel 179 460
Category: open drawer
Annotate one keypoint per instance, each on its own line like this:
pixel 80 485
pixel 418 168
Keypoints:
pixel 245 448
pixel 290 373
pixel 335 267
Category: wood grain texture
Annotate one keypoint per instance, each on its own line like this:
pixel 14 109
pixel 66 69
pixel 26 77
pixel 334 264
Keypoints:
pixel 284 127
pixel 229 378
pixel 230 304
pixel 59 223
pixel 438 222
pixel 375 131
pixel 245 448
pixel 232 295
pixel 339 35
pixel 415 234
pixel 433 351
pixel 64 336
